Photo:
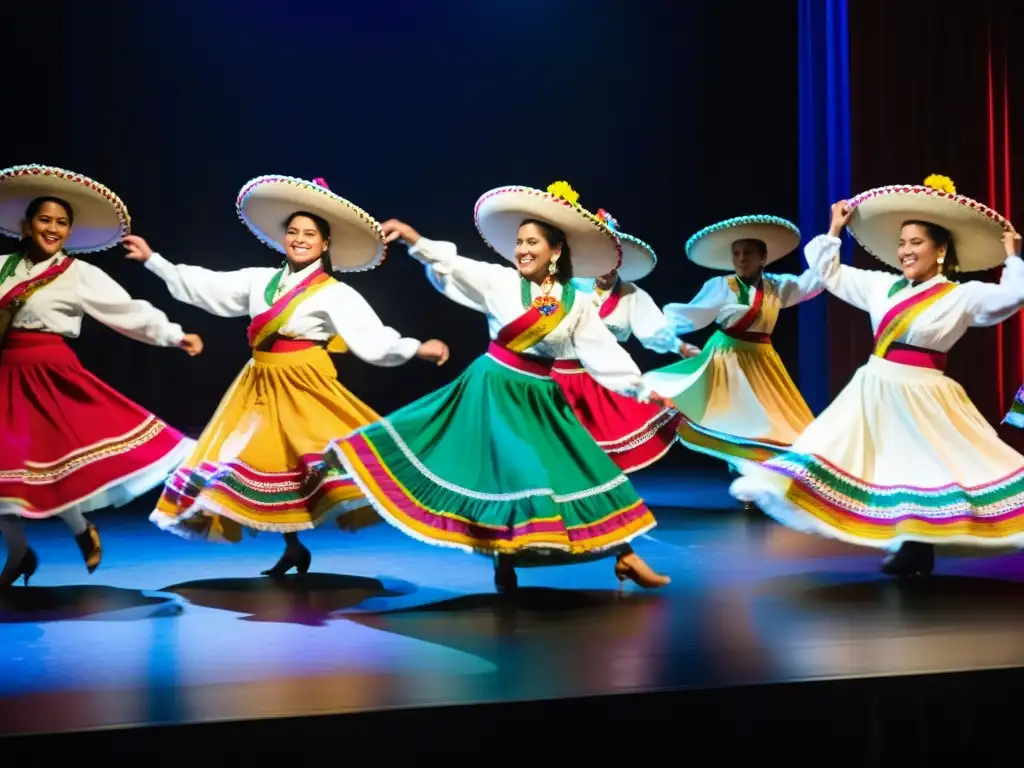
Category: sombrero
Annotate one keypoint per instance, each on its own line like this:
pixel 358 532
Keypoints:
pixel 498 214
pixel 638 258
pixel 712 246
pixel 101 219
pixel 266 202
pixel 977 230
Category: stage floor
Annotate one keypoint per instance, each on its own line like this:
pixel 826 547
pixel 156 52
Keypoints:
pixel 171 631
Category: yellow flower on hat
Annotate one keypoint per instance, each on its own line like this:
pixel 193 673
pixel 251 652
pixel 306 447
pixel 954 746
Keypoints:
pixel 563 190
pixel 941 183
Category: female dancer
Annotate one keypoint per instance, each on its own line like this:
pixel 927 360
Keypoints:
pixel 496 462
pixel 69 444
pixel 737 398
pixel 258 463
pixel 633 434
pixel 902 460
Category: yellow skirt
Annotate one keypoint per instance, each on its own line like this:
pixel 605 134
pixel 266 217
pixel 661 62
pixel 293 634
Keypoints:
pixel 737 398
pixel 258 464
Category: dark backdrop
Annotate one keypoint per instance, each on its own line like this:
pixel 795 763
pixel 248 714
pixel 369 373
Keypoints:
pixel 669 115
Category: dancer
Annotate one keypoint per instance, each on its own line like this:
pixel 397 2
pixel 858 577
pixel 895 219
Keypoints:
pixel 633 434
pixel 902 460
pixel 258 463
pixel 496 462
pixel 69 444
pixel 737 398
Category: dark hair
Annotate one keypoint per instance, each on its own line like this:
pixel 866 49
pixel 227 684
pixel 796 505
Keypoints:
pixel 325 232
pixel 36 205
pixel 555 238
pixel 761 245
pixel 942 237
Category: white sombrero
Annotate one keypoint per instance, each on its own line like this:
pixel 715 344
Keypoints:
pixel 498 214
pixel 977 230
pixel 266 202
pixel 712 246
pixel 101 219
pixel 638 258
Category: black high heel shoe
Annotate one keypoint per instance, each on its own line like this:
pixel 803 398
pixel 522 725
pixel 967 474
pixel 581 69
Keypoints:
pixel 913 560
pixel 91 547
pixel 505 578
pixel 295 556
pixel 24 569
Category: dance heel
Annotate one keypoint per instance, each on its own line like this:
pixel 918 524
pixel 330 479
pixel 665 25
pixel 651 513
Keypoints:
pixel 91 547
pixel 640 573
pixel 913 560
pixel 297 557
pixel 505 578
pixel 24 569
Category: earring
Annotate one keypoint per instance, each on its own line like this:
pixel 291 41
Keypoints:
pixel 553 267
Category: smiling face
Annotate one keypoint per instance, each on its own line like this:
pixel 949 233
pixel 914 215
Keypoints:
pixel 304 242
pixel 748 258
pixel 47 226
pixel 534 253
pixel 918 252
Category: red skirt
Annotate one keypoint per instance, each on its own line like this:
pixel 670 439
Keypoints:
pixel 633 434
pixel 67 440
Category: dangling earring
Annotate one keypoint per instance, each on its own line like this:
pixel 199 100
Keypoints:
pixel 553 266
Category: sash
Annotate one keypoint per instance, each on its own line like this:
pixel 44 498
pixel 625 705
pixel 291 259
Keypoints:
pixel 897 321
pixel 542 316
pixel 270 321
pixel 743 292
pixel 16 297
pixel 614 297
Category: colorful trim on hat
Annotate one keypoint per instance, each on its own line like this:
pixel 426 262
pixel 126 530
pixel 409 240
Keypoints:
pixel 743 221
pixel 613 224
pixel 319 184
pixel 49 171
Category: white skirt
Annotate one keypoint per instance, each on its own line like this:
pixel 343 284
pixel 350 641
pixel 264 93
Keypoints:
pixel 901 455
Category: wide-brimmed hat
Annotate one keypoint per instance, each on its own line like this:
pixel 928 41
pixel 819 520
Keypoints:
pixel 265 203
pixel 712 246
pixel 638 258
pixel 499 213
pixel 977 230
pixel 101 218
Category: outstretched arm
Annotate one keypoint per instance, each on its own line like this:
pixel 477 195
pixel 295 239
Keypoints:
pixel 107 302
pixel 224 294
pixel 650 326
pixel 991 304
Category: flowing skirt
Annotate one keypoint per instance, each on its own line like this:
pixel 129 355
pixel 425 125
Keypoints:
pixel 737 399
pixel 496 463
pixel 69 442
pixel 900 455
pixel 259 464
pixel 633 434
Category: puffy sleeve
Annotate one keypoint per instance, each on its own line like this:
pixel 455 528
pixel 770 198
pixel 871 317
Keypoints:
pixel 604 358
pixel 794 289
pixel 464 281
pixel 856 287
pixel 104 300
pixel 224 294
pixel 649 324
pixel 703 310
pixel 352 318
pixel 993 303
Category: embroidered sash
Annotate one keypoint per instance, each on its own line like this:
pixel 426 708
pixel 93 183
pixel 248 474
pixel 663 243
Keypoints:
pixel 897 321
pixel 541 318
pixel 270 321
pixel 614 297
pixel 743 292
pixel 15 298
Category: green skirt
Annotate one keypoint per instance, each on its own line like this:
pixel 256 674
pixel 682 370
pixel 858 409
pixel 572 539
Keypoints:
pixel 496 463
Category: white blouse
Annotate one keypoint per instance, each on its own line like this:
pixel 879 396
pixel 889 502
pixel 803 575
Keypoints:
pixel 942 324
pixel 337 310
pixel 85 289
pixel 636 314
pixel 718 302
pixel 496 290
